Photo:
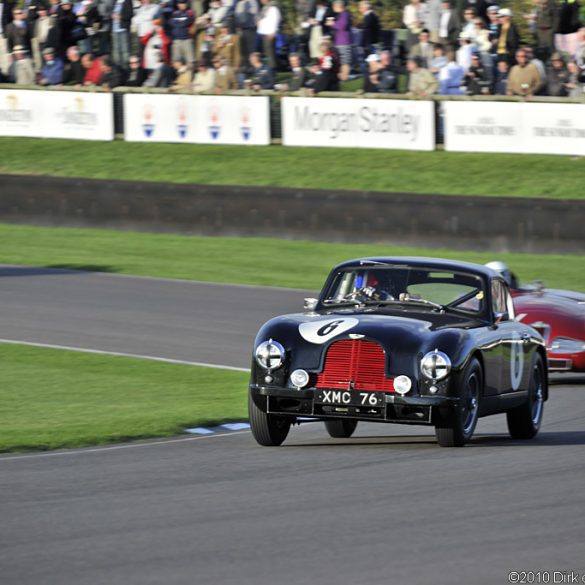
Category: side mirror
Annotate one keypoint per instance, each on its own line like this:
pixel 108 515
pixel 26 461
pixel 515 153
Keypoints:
pixel 310 304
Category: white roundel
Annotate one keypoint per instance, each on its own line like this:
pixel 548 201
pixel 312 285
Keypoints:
pixel 323 330
pixel 516 360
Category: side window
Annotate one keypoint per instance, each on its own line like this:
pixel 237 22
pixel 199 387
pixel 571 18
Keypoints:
pixel 499 297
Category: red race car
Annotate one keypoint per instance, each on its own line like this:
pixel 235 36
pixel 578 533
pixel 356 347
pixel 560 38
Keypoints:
pixel 558 315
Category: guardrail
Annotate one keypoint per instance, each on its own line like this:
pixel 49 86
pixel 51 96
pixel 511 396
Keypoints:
pixel 463 123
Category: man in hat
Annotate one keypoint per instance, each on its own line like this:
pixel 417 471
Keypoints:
pixel 52 69
pixel 508 37
pixel 21 71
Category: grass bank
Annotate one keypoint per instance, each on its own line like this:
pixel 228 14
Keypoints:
pixel 52 398
pixel 333 168
pixel 259 261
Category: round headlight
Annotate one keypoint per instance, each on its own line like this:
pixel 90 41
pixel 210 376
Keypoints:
pixel 299 378
pixel 270 355
pixel 435 365
pixel 402 384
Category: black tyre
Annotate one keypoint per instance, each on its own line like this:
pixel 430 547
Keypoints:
pixel 269 430
pixel 524 421
pixel 455 427
pixel 341 429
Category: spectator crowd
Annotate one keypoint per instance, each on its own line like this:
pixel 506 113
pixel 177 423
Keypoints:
pixel 474 47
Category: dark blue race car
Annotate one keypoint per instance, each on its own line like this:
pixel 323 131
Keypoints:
pixel 400 340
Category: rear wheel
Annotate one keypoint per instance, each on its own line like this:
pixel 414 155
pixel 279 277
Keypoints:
pixel 269 430
pixel 341 429
pixel 524 421
pixel 455 427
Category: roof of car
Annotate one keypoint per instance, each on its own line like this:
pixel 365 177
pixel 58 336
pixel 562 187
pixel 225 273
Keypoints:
pixel 421 261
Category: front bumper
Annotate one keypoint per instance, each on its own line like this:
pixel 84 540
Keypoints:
pixel 301 403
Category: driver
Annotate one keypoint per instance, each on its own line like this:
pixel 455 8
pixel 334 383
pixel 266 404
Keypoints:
pixel 372 288
pixel 505 272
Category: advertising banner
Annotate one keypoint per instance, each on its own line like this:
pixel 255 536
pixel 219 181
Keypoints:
pixel 197 119
pixel 517 127
pixel 56 114
pixel 361 123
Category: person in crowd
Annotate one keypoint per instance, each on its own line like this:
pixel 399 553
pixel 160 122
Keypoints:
pixel 155 43
pixel 580 54
pixel 162 75
pixel 267 26
pixel 493 27
pixel 204 81
pixel 299 73
pixel 468 25
pixel 557 77
pixel 88 22
pixel 500 85
pixel 17 32
pixel 372 79
pixel 413 18
pixel 448 24
pixel 93 69
pixel 245 16
pixel 112 74
pixel 524 78
pixel 261 76
pixel 74 72
pixel 183 75
pixel 508 37
pixel 5 53
pixel 316 24
pixel 477 79
pixel 327 74
pixel 451 77
pixel 433 19
pixel 545 24
pixel 341 29
pixel 136 75
pixel 421 82
pixel 180 25
pixel 21 71
pixel 530 58
pixel 465 51
pixel 390 67
pixel 479 8
pixel 423 49
pixel 45 34
pixel 480 36
pixel 370 27
pixel 227 46
pixel 52 69
pixel 567 26
pixel 576 84
pixel 143 21
pixel 121 19
pixel 225 75
pixel 69 29
pixel 438 61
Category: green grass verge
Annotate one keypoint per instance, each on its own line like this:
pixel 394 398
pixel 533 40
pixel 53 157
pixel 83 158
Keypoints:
pixel 54 398
pixel 333 168
pixel 297 264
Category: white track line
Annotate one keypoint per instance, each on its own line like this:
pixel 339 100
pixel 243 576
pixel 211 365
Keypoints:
pixel 122 354
pixel 117 447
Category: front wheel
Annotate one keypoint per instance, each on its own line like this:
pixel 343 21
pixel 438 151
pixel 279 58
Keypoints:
pixel 455 427
pixel 524 421
pixel 341 429
pixel 269 430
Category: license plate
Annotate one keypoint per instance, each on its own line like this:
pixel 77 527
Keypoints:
pixel 350 398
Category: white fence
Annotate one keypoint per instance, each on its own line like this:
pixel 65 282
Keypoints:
pixel 197 119
pixel 469 126
pixel 57 114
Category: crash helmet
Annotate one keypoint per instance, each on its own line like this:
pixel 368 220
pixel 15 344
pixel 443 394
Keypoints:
pixel 503 270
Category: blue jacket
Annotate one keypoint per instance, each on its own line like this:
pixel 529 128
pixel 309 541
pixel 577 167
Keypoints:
pixel 180 22
pixel 53 74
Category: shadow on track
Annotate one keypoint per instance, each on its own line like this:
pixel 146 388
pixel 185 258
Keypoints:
pixel 54 269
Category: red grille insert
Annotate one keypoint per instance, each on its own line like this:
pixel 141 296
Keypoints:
pixel 357 363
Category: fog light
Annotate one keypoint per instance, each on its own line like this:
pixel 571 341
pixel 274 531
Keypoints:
pixel 402 384
pixel 299 378
pixel 268 379
pixel 433 389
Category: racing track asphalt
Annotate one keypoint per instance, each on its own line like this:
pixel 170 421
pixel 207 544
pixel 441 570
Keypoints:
pixel 387 507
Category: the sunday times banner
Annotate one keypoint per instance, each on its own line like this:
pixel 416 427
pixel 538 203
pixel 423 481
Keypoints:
pixel 363 123
pixel 517 127
pixel 56 114
pixel 197 119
